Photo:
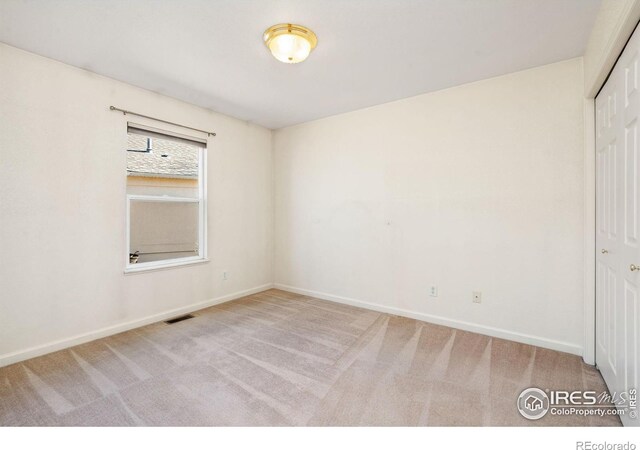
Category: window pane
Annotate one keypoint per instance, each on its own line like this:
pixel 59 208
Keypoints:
pixel 163 230
pixel 158 166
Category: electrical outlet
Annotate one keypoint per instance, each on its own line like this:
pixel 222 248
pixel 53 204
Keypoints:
pixel 433 291
pixel 225 275
pixel 477 297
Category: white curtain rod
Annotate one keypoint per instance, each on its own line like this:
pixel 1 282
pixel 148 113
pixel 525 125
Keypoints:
pixel 125 112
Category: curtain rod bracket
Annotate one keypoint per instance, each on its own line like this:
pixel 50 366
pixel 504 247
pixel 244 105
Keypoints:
pixel 125 112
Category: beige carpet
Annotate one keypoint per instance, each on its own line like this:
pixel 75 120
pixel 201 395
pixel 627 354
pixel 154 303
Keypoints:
pixel 277 358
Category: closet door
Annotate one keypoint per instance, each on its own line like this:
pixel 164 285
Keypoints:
pixel 617 227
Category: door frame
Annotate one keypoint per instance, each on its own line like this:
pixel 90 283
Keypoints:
pixel 622 31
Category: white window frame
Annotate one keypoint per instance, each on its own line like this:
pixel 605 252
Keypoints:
pixel 202 218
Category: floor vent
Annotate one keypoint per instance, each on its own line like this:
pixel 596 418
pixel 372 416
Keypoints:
pixel 179 319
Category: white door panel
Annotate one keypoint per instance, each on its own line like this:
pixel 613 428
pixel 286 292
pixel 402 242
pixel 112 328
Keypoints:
pixel 617 234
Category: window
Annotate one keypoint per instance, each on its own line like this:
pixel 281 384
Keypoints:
pixel 165 201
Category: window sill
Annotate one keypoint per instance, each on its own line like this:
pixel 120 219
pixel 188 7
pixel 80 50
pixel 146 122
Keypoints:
pixel 150 267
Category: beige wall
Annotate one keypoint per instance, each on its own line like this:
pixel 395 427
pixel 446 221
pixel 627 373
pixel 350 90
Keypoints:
pixel 161 231
pixel 62 208
pixel 474 188
pixel 361 200
pixel 178 187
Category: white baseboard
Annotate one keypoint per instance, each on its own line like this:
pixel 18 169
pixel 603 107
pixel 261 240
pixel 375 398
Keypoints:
pixel 466 326
pixel 21 355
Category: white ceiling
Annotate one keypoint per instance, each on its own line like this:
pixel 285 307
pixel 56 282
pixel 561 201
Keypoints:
pixel 210 52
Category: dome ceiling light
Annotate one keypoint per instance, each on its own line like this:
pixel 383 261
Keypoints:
pixel 290 43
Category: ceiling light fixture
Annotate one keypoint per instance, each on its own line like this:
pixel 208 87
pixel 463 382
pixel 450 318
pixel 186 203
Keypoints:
pixel 290 43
